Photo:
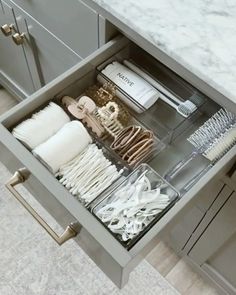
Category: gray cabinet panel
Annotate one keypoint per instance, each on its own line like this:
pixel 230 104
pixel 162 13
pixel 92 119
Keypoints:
pixel 209 194
pixel 224 260
pixel 180 234
pixel 221 198
pixel 185 229
pixel 63 217
pixel 230 178
pixel 14 68
pixel 233 177
pixel 215 249
pixel 222 227
pixel 71 21
pixel 48 57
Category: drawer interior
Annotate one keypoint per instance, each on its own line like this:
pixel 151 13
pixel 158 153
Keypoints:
pixel 171 130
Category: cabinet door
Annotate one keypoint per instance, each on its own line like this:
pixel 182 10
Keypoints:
pixel 182 234
pixel 14 69
pixel 215 249
pixel 48 57
pixel 72 21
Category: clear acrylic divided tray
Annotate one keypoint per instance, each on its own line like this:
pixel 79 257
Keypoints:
pixel 133 206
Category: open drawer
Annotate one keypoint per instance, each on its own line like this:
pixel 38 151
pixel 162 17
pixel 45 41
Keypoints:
pixel 106 251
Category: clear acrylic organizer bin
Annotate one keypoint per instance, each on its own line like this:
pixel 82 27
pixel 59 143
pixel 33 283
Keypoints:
pixel 160 116
pixel 114 160
pixel 156 182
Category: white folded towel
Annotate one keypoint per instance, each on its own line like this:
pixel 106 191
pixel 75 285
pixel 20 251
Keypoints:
pixel 41 125
pixel 62 147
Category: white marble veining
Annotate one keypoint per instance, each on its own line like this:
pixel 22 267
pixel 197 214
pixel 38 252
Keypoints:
pixel 200 34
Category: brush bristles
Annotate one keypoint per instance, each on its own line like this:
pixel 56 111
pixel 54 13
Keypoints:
pixel 216 136
pixel 186 108
pixel 190 105
pixel 222 146
pixel 184 111
pixel 197 99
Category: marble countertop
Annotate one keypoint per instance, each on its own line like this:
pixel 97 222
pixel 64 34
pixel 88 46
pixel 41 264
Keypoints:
pixel 200 34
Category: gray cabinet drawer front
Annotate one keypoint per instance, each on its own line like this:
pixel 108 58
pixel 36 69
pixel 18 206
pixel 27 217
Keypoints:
pixel 222 227
pixel 182 231
pixel 37 190
pixel 114 256
pixel 182 236
pixel 47 56
pixel 13 62
pixel 220 199
pixel 63 217
pixel 224 261
pixel 215 249
pixel 71 21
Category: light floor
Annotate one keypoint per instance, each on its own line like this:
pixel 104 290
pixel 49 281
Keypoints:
pixel 167 263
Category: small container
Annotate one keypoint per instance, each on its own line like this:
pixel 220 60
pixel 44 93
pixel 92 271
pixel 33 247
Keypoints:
pixel 135 86
pixel 156 181
pixel 113 158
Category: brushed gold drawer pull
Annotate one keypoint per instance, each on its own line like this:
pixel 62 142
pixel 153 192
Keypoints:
pixel 18 38
pixel 7 29
pixel 21 176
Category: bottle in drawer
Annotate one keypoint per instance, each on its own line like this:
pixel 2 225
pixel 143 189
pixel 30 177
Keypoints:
pixel 136 204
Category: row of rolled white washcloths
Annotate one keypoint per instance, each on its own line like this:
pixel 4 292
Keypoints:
pixel 59 143
pixel 41 126
pixel 52 137
pixel 63 146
